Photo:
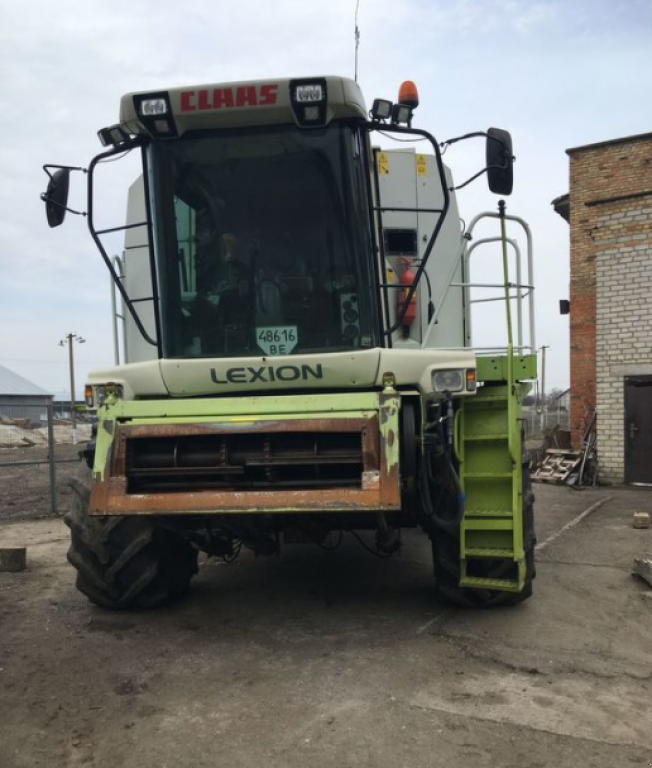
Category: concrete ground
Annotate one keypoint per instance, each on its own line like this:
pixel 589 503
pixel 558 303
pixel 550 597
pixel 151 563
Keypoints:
pixel 337 660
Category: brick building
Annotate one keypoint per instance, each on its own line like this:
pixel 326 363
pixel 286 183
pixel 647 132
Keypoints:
pixel 609 209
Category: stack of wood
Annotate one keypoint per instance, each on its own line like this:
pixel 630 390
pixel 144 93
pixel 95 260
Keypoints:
pixel 20 423
pixel 559 465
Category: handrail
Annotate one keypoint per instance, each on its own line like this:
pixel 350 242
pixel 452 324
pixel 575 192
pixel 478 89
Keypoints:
pixel 385 129
pixel 518 285
pixel 90 221
pixel 530 264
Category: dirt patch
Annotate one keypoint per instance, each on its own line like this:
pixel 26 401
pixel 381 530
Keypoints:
pixel 334 660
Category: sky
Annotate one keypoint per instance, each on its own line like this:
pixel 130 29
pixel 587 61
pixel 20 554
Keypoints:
pixel 556 74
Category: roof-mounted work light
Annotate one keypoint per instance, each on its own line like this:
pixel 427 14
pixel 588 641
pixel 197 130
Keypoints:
pixel 401 113
pixel 381 109
pixel 309 101
pixel 113 136
pixel 155 113
pixel 152 107
pixel 310 93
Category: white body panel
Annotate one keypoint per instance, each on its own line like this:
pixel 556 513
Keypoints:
pixel 410 180
pixel 243 103
pixel 350 370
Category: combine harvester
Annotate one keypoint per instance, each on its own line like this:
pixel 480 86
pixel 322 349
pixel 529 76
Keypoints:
pixel 297 343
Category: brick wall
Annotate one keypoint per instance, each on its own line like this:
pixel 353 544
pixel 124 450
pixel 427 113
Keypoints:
pixel 611 286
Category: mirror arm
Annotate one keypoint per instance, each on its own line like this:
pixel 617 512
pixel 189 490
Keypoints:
pixel 49 200
pixel 478 134
pixel 474 135
pixel 468 181
pixel 64 168
pixel 479 173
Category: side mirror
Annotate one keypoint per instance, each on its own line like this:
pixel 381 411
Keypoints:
pixel 56 197
pixel 500 161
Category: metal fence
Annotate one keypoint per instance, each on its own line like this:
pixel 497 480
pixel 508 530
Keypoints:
pixel 37 457
pixel 537 424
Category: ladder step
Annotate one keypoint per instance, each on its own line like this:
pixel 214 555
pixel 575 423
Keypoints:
pixel 480 582
pixel 489 513
pixel 497 436
pixel 488 524
pixel 503 554
pixel 487 475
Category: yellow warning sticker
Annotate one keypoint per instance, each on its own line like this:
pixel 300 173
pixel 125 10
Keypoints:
pixel 422 165
pixel 383 163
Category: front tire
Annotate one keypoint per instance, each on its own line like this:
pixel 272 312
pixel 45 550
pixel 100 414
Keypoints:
pixel 125 562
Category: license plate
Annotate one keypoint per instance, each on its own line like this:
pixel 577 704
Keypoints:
pixel 277 339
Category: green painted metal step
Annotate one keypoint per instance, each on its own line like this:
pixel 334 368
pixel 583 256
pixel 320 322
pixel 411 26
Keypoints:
pixel 485 524
pixel 487 475
pixel 480 582
pixel 475 438
pixel 489 513
pixel 503 554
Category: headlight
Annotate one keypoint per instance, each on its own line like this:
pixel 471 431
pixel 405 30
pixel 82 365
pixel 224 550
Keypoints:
pixel 96 394
pixel 448 381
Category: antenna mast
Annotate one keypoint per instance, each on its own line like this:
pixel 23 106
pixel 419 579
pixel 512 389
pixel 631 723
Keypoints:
pixel 357 38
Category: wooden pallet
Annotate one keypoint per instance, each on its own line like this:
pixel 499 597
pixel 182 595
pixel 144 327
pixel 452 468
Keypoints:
pixel 558 465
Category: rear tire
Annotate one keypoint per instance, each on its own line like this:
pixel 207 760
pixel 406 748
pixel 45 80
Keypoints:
pixel 125 562
pixel 447 565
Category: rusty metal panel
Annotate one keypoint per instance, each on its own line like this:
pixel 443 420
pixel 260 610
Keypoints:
pixel 378 486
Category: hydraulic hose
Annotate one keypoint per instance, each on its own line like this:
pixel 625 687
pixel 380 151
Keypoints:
pixel 434 446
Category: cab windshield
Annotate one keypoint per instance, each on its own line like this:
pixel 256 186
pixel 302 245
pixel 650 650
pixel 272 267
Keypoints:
pixel 263 244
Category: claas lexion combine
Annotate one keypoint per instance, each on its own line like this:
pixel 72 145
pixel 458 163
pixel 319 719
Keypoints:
pixel 297 350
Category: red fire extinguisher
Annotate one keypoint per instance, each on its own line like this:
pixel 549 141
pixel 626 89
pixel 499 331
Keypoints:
pixel 406 280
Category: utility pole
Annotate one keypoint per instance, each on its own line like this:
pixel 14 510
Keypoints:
pixel 70 339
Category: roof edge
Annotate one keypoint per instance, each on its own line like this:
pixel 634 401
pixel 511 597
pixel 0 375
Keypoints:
pixel 561 205
pixel 610 142
pixel 12 384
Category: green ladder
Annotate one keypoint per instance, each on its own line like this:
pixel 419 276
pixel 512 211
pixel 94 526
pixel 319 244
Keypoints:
pixel 487 441
pixel 488 447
